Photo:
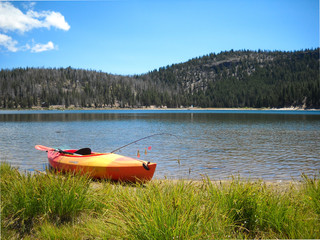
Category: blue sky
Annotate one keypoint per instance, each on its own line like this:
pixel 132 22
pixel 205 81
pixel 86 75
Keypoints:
pixel 135 36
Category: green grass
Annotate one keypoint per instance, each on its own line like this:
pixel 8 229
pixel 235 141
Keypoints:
pixel 28 199
pixel 46 206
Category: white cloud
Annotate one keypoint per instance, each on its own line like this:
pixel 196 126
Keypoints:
pixel 42 47
pixel 28 5
pixel 55 19
pixel 8 43
pixel 12 19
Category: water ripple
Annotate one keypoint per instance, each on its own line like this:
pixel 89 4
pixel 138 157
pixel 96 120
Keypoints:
pixel 272 147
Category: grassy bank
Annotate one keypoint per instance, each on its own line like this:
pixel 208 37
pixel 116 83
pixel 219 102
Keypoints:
pixel 46 206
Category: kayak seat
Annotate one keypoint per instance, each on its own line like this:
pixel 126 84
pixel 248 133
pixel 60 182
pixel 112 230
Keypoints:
pixel 83 151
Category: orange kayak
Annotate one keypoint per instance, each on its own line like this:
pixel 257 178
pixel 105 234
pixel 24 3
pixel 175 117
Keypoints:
pixel 100 165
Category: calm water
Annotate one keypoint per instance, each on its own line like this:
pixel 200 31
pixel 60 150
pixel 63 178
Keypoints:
pixel 272 145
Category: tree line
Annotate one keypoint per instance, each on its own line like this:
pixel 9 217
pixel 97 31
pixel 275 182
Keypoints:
pixel 229 79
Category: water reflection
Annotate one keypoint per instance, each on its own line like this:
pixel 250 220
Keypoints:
pixel 182 116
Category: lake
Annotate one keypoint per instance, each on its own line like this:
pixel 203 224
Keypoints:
pixel 269 145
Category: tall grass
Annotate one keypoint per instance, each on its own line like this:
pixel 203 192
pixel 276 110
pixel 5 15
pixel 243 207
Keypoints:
pixel 257 210
pixel 312 192
pixel 32 198
pixel 206 210
pixel 162 211
pixel 73 207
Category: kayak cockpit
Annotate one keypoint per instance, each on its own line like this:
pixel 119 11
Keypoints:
pixel 81 152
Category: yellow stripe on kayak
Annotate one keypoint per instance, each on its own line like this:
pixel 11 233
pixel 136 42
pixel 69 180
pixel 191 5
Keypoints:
pixel 99 160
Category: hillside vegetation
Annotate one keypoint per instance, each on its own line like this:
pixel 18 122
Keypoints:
pixel 228 79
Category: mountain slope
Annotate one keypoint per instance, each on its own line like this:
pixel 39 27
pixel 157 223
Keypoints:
pixel 228 79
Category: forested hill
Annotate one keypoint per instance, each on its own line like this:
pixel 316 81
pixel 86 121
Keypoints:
pixel 228 79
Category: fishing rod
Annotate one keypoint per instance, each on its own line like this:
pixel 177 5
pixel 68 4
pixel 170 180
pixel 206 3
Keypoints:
pixel 156 134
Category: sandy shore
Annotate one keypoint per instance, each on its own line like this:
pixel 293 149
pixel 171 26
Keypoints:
pixel 279 186
pixel 152 108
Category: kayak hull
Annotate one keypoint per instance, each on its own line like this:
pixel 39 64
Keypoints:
pixel 103 166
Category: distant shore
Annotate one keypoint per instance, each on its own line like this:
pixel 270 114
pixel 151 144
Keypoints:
pixel 62 108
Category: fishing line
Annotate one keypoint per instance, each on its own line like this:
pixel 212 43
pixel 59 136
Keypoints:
pixel 156 134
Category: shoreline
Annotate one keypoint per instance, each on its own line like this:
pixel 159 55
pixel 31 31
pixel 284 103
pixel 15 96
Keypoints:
pixel 54 108
pixel 282 183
